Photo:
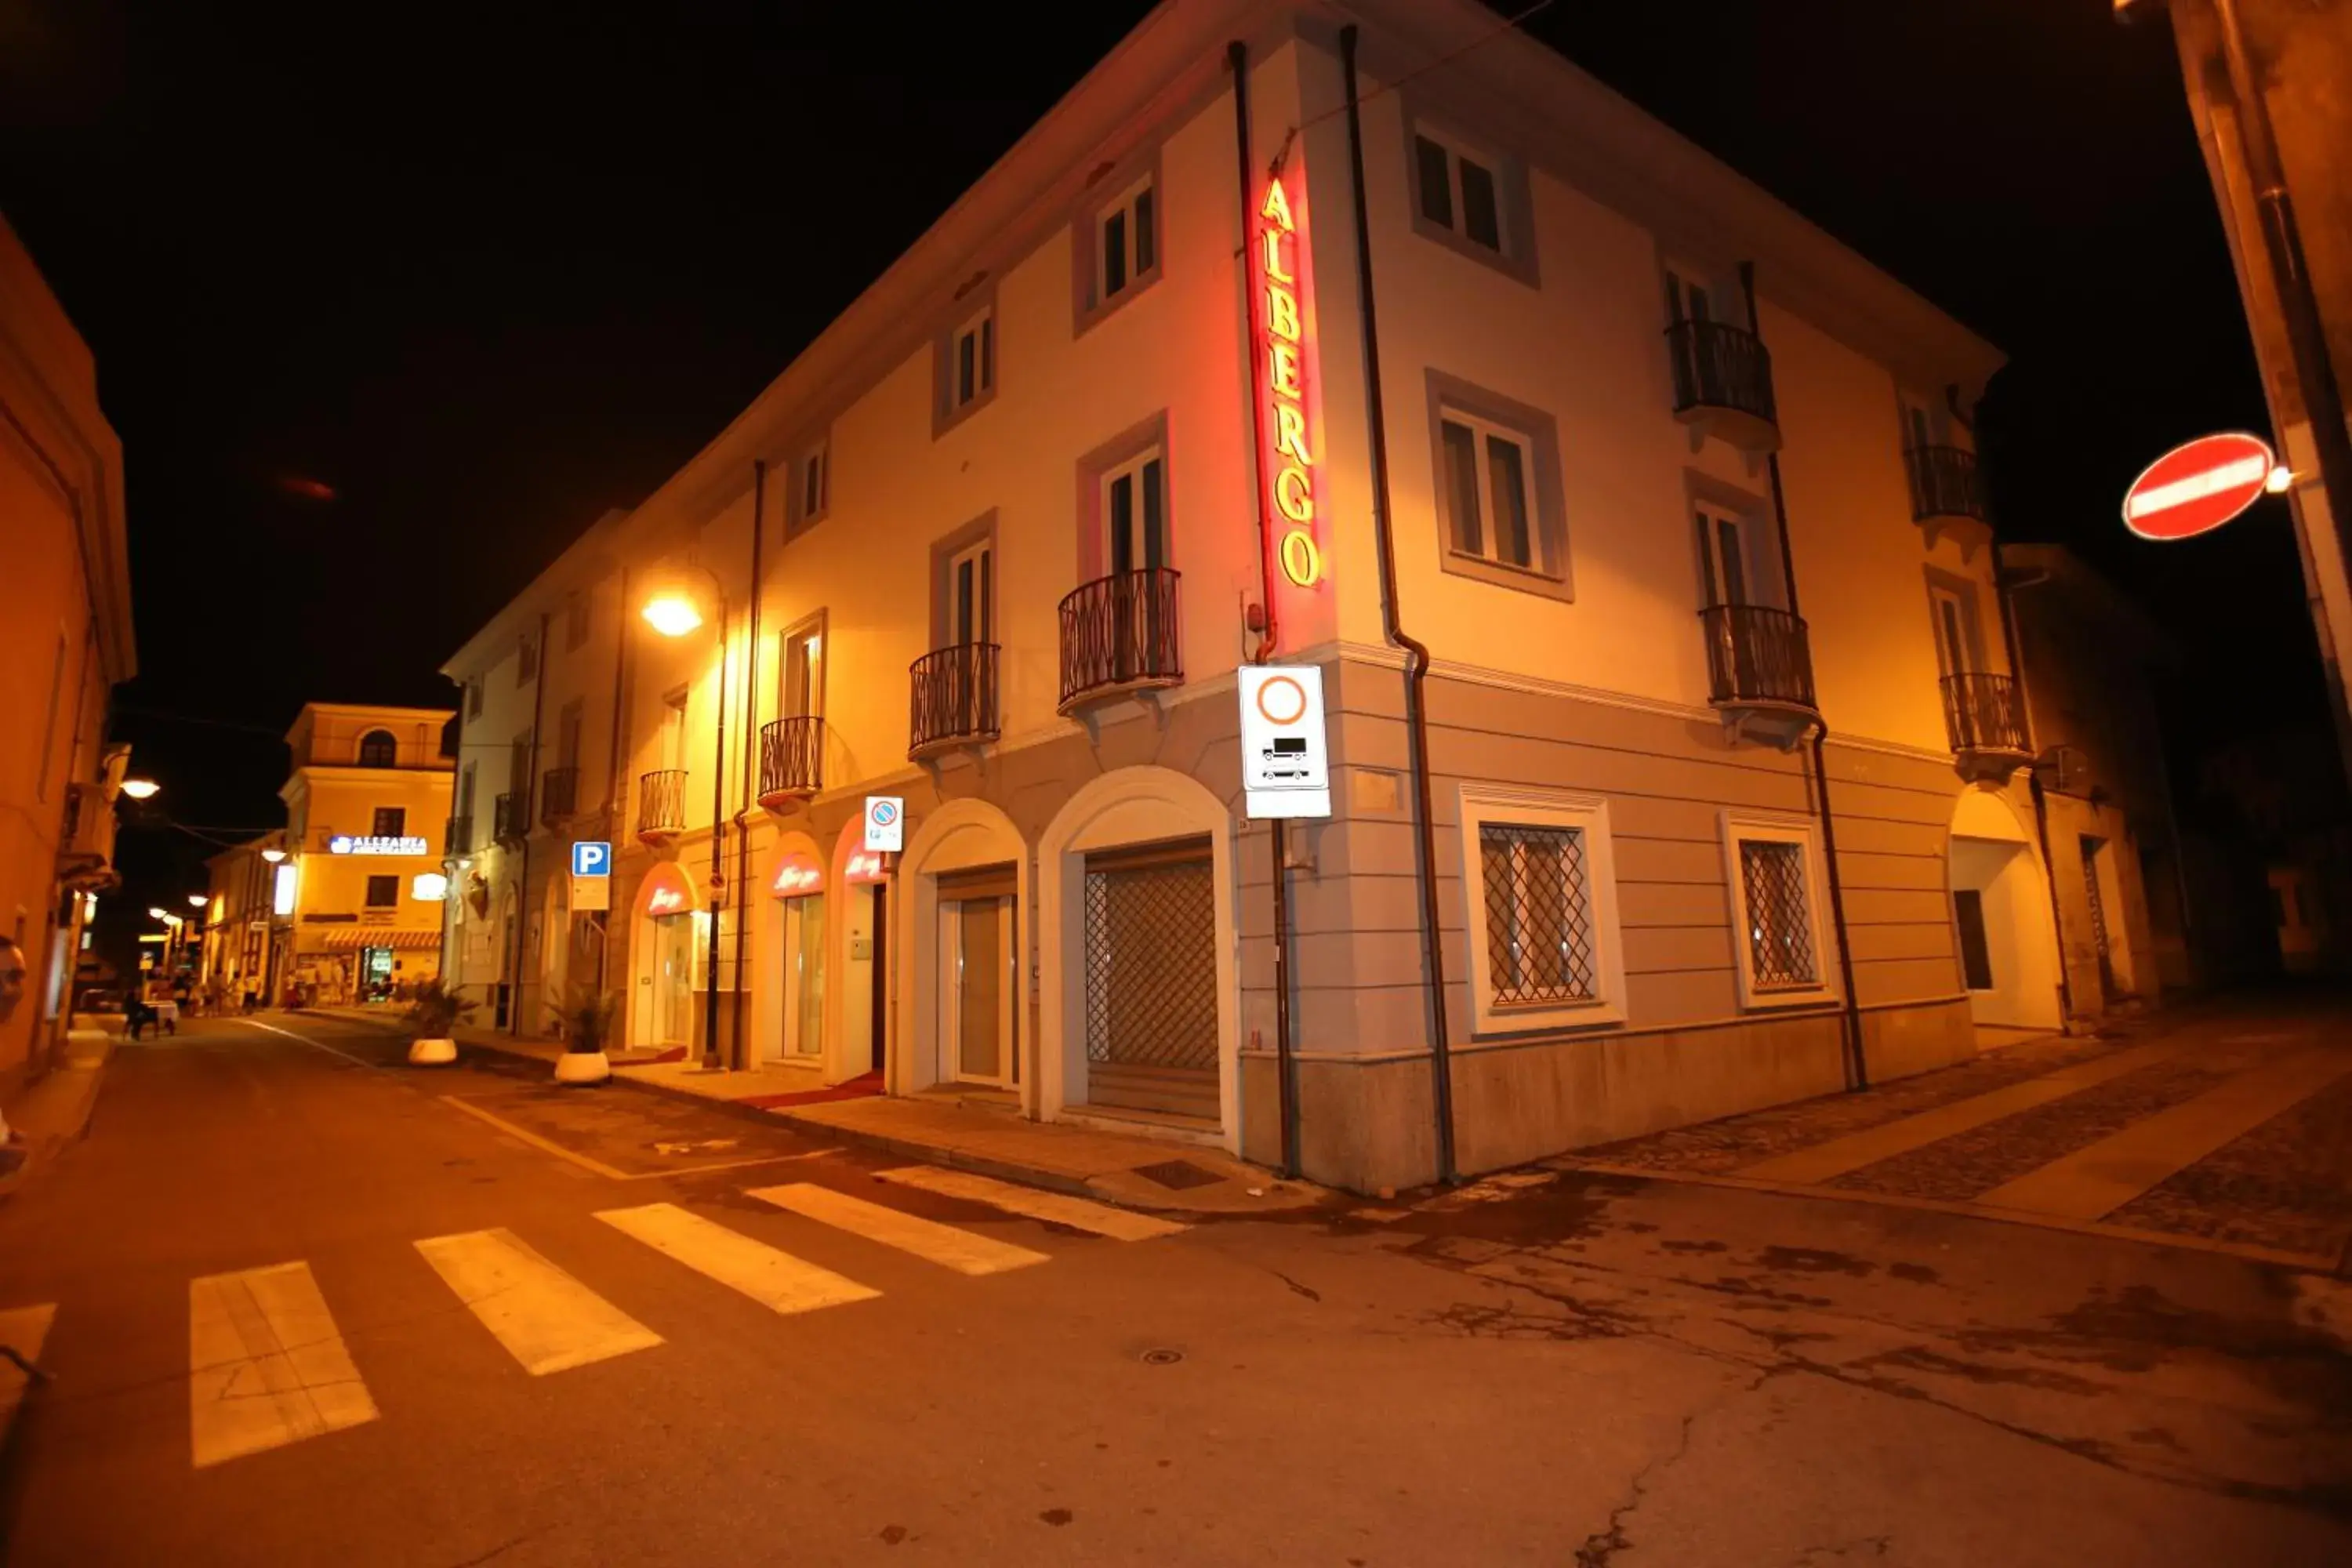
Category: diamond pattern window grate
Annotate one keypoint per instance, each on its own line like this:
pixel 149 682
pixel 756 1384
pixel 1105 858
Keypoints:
pixel 1540 926
pixel 1780 922
pixel 1152 966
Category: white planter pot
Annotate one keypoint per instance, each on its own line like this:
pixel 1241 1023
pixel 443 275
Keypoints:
pixel 582 1067
pixel 432 1053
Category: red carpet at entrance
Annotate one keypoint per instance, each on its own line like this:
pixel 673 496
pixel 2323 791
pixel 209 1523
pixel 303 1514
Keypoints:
pixel 859 1087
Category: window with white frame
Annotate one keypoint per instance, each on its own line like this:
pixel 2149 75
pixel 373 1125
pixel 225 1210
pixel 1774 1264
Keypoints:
pixel 1134 511
pixel 1459 190
pixel 971 362
pixel 812 485
pixel 1777 910
pixel 1489 482
pixel 1126 240
pixel 1544 949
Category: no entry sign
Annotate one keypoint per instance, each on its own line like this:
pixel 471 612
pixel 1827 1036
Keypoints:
pixel 2196 488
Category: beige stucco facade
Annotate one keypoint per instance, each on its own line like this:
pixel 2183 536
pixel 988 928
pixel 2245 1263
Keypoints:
pixel 65 640
pixel 1595 790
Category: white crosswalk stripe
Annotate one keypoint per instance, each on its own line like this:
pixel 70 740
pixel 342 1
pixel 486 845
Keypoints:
pixel 547 1320
pixel 946 1245
pixel 1122 1225
pixel 775 1279
pixel 267 1367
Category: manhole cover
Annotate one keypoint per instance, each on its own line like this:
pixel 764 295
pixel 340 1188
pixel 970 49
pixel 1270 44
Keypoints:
pixel 1178 1175
pixel 1161 1357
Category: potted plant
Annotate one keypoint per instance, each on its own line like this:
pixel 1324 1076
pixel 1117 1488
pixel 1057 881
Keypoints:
pixel 436 1011
pixel 585 1020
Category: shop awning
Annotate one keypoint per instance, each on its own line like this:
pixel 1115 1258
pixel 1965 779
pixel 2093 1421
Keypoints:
pixel 399 940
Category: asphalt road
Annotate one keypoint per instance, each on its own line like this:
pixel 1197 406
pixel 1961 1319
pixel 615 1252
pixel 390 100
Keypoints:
pixel 1577 1370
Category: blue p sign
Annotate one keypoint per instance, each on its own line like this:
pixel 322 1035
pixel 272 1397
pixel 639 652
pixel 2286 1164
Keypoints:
pixel 591 858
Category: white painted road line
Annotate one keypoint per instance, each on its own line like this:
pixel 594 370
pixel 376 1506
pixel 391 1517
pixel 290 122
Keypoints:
pixel 265 1365
pixel 544 1145
pixel 544 1317
pixel 942 1244
pixel 775 1279
pixel 1122 1225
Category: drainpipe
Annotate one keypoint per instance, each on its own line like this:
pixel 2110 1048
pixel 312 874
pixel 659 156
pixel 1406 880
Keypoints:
pixel 710 1062
pixel 1416 711
pixel 750 736
pixel 1857 1059
pixel 529 783
pixel 2033 785
pixel 615 790
pixel 1285 1061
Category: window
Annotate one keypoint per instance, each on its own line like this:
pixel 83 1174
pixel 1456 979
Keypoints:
pixel 1458 192
pixel 569 724
pixel 1777 934
pixel 473 700
pixel 465 811
pixel 673 731
pixel 1496 485
pixel 1469 199
pixel 1544 949
pixel 973 362
pixel 1688 298
pixel 1723 556
pixel 391 822
pixel 383 892
pixel 1955 612
pixel 971 593
pixel 576 619
pixel 1134 511
pixel 526 661
pixel 811 488
pixel 1117 244
pixel 379 749
pixel 1127 241
pixel 1487 491
pixel 801 691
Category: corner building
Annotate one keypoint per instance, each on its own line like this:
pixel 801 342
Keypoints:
pixel 1721 754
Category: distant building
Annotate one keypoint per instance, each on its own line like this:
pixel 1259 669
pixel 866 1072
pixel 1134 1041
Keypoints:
pixel 2092 663
pixel 65 640
pixel 1670 480
pixel 351 909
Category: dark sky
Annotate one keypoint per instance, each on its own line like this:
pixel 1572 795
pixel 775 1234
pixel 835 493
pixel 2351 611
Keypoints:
pixel 486 270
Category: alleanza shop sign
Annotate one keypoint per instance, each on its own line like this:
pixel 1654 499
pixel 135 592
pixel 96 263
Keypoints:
pixel 1287 462
pixel 348 843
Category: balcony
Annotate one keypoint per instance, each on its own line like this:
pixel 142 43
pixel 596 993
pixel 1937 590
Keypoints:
pixel 1121 635
pixel 457 836
pixel 1985 716
pixel 661 807
pixel 792 761
pixel 559 797
pixel 510 819
pixel 955 700
pixel 1946 495
pixel 86 841
pixel 1759 672
pixel 1723 385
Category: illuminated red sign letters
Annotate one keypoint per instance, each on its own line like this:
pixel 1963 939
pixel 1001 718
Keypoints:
pixel 797 876
pixel 1286 462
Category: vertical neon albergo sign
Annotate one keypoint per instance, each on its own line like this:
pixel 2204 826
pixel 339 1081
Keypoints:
pixel 1286 458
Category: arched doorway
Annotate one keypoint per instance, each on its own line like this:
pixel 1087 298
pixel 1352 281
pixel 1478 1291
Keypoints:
pixel 1141 1010
pixel 962 887
pixel 2000 915
pixel 793 955
pixel 860 988
pixel 669 946
pixel 556 940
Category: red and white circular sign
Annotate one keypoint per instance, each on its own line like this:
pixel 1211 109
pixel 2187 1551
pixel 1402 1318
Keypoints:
pixel 2196 487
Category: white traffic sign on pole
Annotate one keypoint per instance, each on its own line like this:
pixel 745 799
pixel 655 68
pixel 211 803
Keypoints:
pixel 886 824
pixel 1286 761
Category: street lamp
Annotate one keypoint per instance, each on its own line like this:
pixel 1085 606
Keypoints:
pixel 273 856
pixel 673 612
pixel 199 900
pixel 139 789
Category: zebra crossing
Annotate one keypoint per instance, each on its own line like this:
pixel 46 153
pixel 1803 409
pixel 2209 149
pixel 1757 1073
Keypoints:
pixel 269 1365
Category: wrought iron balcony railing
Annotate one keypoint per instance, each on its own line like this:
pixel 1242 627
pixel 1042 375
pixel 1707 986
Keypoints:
pixel 792 760
pixel 559 795
pixel 1985 713
pixel 1121 633
pixel 954 700
pixel 1944 484
pixel 661 804
pixel 1757 656
pixel 1718 366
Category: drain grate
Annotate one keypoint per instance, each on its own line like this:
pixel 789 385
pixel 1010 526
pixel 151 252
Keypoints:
pixel 1178 1175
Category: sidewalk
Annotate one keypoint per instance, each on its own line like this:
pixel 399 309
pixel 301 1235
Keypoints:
pixel 1136 1173
pixel 53 1112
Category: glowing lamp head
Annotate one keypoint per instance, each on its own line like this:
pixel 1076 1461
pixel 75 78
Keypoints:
pixel 273 856
pixel 672 614
pixel 156 912
pixel 2279 481
pixel 139 789
pixel 429 887
pixel 200 899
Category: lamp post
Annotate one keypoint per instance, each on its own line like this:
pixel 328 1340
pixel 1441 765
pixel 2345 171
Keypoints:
pixel 673 615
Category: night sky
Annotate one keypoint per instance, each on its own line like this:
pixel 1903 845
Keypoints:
pixel 484 271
